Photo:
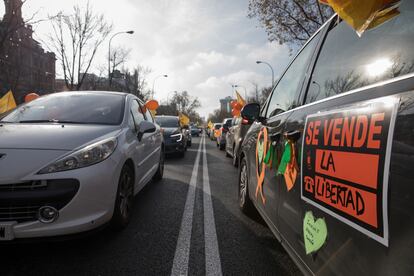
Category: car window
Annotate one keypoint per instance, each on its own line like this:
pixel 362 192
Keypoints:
pixel 348 61
pixel 137 113
pixel 82 108
pixel 286 92
pixel 148 116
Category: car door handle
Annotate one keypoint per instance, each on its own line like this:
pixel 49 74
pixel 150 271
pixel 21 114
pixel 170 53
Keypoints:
pixel 293 135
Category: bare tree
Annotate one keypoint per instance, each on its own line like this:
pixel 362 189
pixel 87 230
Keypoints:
pixel 118 57
pixel 289 21
pixel 136 82
pixel 184 103
pixel 76 39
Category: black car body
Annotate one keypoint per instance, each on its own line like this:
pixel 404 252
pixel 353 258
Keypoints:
pixel 343 111
pixel 195 131
pixel 226 125
pixel 175 137
pixel 235 137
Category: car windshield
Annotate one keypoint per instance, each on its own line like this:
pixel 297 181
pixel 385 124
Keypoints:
pixel 76 108
pixel 167 122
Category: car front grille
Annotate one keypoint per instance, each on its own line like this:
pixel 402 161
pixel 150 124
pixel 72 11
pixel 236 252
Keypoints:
pixel 21 202
pixel 19 213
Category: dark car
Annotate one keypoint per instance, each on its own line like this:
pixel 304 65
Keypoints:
pixel 175 137
pixel 234 138
pixel 195 131
pixel 328 161
pixel 221 140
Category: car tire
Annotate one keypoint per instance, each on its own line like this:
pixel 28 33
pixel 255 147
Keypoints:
pixel 222 147
pixel 160 171
pixel 189 144
pixel 227 154
pixel 124 199
pixel 245 203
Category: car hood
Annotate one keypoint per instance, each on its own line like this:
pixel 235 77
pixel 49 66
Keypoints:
pixel 51 136
pixel 170 130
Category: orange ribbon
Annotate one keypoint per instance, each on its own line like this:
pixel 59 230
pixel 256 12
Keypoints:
pixel 261 176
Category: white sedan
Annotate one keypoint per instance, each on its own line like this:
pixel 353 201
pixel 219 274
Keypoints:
pixel 71 162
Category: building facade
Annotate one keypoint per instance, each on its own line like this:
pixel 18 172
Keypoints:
pixel 25 66
pixel 225 104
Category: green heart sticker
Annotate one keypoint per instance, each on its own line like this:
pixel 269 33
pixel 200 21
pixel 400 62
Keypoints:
pixel 260 151
pixel 314 233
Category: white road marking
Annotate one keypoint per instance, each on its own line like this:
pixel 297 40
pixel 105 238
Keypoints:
pixel 213 263
pixel 182 251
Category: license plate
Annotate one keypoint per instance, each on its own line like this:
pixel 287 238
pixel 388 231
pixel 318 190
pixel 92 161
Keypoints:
pixel 6 231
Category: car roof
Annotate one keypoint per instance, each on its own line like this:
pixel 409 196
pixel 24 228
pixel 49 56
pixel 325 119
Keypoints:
pixel 92 93
pixel 166 116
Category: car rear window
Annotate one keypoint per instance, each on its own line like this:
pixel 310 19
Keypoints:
pixel 167 121
pixel 348 61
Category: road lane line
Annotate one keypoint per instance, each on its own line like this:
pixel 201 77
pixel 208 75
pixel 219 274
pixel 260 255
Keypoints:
pixel 213 263
pixel 182 251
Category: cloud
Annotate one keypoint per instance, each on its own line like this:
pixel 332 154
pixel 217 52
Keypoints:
pixel 203 46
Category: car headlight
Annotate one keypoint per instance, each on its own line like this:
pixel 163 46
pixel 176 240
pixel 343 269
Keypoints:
pixel 178 136
pixel 85 157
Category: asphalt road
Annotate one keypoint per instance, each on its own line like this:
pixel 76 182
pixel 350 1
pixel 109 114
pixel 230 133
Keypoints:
pixel 189 222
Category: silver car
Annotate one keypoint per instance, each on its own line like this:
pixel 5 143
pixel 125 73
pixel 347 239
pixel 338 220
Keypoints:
pixel 71 162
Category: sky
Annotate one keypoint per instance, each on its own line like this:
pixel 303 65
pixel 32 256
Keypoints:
pixel 204 46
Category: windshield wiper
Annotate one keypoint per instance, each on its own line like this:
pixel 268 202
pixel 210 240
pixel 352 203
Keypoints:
pixel 49 121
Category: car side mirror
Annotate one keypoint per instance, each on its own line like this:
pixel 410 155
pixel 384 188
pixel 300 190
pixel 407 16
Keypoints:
pixel 145 127
pixel 251 112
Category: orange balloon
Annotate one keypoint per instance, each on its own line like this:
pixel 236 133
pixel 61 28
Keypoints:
pixel 235 112
pixel 238 106
pixel 30 97
pixel 152 105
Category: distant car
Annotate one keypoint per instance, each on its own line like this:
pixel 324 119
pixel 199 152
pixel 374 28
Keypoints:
pixel 221 140
pixel 175 136
pixel 216 127
pixel 195 131
pixel 234 138
pixel 73 161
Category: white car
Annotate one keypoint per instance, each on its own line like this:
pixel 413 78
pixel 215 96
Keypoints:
pixel 71 162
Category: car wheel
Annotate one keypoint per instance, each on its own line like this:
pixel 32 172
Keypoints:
pixel 222 147
pixel 189 144
pixel 245 203
pixel 124 199
pixel 235 159
pixel 160 171
pixel 227 153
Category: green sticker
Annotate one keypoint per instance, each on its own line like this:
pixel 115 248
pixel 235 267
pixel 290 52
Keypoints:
pixel 260 151
pixel 285 159
pixel 314 233
pixel 269 155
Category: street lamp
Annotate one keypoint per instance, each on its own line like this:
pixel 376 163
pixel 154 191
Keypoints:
pixel 245 90
pixel 153 84
pixel 109 54
pixel 271 68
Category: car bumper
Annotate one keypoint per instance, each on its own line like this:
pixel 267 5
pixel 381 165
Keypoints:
pixel 171 146
pixel 92 205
